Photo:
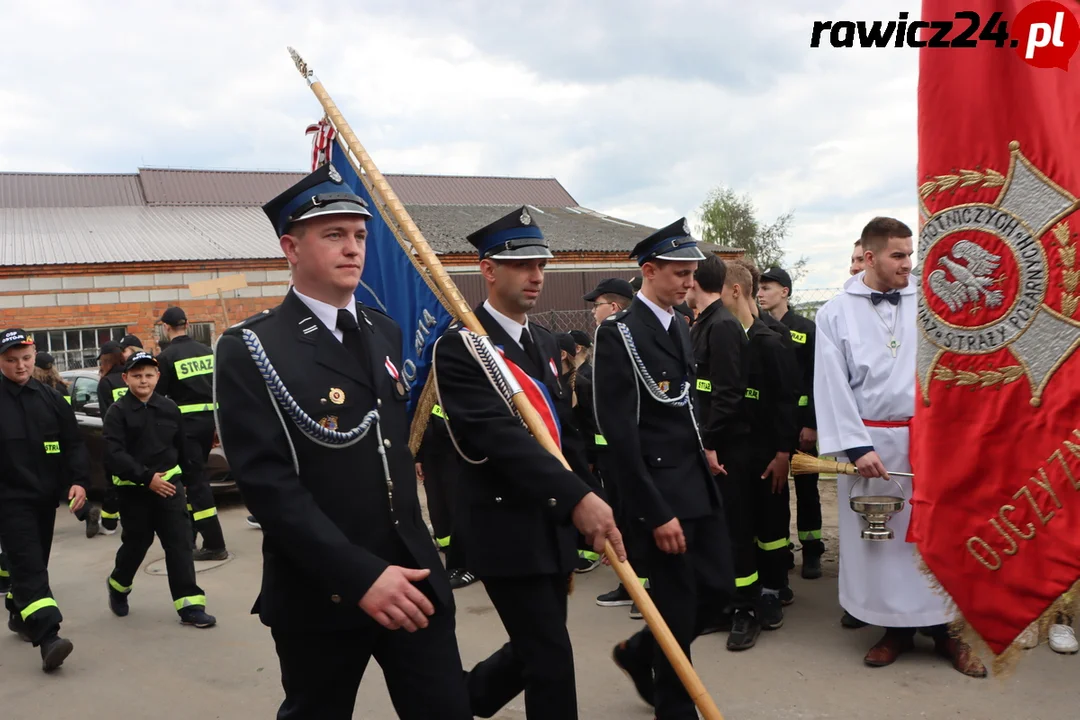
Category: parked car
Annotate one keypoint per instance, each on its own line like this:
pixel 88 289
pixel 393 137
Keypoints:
pixel 82 384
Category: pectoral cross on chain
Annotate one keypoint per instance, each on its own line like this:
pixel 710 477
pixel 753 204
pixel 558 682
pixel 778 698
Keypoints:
pixel 893 345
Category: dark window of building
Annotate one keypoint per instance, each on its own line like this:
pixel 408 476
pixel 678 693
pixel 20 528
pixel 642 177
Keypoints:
pixel 76 348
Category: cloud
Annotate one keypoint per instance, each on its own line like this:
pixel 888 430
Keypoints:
pixel 638 107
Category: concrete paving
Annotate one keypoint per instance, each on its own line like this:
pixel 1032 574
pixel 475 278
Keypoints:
pixel 148 666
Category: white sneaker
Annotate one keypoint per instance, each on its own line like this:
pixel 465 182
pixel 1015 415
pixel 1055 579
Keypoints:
pixel 1063 639
pixel 1030 637
pixel 106 531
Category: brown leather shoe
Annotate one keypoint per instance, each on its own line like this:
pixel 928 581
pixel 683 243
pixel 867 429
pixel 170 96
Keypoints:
pixel 963 658
pixel 888 648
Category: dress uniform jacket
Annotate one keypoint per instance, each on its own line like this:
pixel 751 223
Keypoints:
pixel 719 344
pixel 331 521
pixel 583 412
pixel 516 499
pixel 671 478
pixel 803 331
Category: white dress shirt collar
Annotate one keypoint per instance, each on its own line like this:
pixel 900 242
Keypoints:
pixel 512 327
pixel 664 316
pixel 326 313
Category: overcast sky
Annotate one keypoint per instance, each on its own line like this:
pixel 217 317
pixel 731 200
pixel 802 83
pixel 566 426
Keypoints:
pixel 639 107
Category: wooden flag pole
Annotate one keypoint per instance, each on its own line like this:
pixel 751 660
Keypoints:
pixel 535 424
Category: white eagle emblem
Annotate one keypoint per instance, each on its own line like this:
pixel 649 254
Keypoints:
pixel 686 227
pixel 525 218
pixel 334 174
pixel 973 280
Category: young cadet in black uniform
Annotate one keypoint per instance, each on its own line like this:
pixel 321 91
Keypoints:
pixel 756 486
pixel 774 294
pixel 644 396
pixel 42 460
pixel 187 375
pixel 610 296
pixel 349 568
pixel 146 449
pixel 439 468
pixel 519 510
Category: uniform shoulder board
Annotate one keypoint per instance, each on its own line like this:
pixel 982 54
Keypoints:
pixel 611 319
pixel 256 318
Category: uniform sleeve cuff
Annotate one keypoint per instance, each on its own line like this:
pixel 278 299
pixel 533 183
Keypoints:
pixel 857 452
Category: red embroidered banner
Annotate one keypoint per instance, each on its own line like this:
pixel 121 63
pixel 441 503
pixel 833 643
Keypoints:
pixel 996 434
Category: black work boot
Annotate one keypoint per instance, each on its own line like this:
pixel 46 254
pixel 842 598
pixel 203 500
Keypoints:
pixel 811 566
pixel 207 555
pixel 639 671
pixel 118 601
pixel 197 617
pixel 54 652
pixel 770 613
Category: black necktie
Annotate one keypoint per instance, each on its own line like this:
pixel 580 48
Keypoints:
pixel 531 350
pixel 892 296
pixel 673 331
pixel 352 339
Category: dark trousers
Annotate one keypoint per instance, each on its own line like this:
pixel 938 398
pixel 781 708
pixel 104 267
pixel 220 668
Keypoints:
pixel 538 659
pixel 26 532
pixel 808 514
pixel 321 670
pixel 759 521
pixel 146 514
pixel 110 506
pixel 5 574
pixel 688 590
pixel 199 431
pixel 635 540
pixel 441 485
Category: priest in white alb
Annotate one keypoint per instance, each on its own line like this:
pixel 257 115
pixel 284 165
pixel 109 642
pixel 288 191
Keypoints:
pixel 864 390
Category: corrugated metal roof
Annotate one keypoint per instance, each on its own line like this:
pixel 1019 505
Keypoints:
pixel 214 187
pixel 31 190
pixel 42 236
pixel 47 236
pixel 458 190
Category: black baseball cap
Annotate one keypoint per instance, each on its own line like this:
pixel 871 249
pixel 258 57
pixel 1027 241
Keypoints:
pixel 611 286
pixel 581 338
pixel 130 341
pixel 777 275
pixel 109 347
pixel 139 358
pixel 44 361
pixel 174 317
pixel 567 343
pixel 13 338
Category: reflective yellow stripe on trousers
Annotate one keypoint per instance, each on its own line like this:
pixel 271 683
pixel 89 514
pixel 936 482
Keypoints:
pixel 168 475
pixel 38 605
pixel 780 544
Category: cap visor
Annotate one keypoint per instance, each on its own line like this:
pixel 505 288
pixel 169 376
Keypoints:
pixel 335 208
pixel 529 252
pixel 20 343
pixel 683 253
pixel 591 297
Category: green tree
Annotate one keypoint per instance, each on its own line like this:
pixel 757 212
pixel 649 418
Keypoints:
pixel 730 219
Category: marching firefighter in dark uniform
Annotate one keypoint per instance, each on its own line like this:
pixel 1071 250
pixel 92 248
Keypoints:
pixel 757 463
pixel 187 378
pixel 313 419
pixel 774 294
pixel 519 510
pixel 147 451
pixel 439 468
pixel 43 461
pixel 643 389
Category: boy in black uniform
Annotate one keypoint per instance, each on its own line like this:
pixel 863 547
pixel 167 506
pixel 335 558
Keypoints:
pixel 643 392
pixel 42 460
pixel 519 510
pixel 147 452
pixel 187 373
pixel 756 487
pixel 774 294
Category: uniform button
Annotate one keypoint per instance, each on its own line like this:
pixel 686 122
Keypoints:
pixel 498 499
pixel 390 485
pixel 322 401
pixel 386 443
pixel 335 598
pixel 378 403
pixel 551 502
pixel 659 459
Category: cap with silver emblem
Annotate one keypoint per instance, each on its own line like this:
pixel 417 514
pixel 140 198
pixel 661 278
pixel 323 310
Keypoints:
pixel 673 242
pixel 513 237
pixel 323 192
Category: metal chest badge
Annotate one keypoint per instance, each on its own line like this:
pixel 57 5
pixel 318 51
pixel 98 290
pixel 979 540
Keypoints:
pixel 337 396
pixel 664 386
pixel 330 422
pixel 986 281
